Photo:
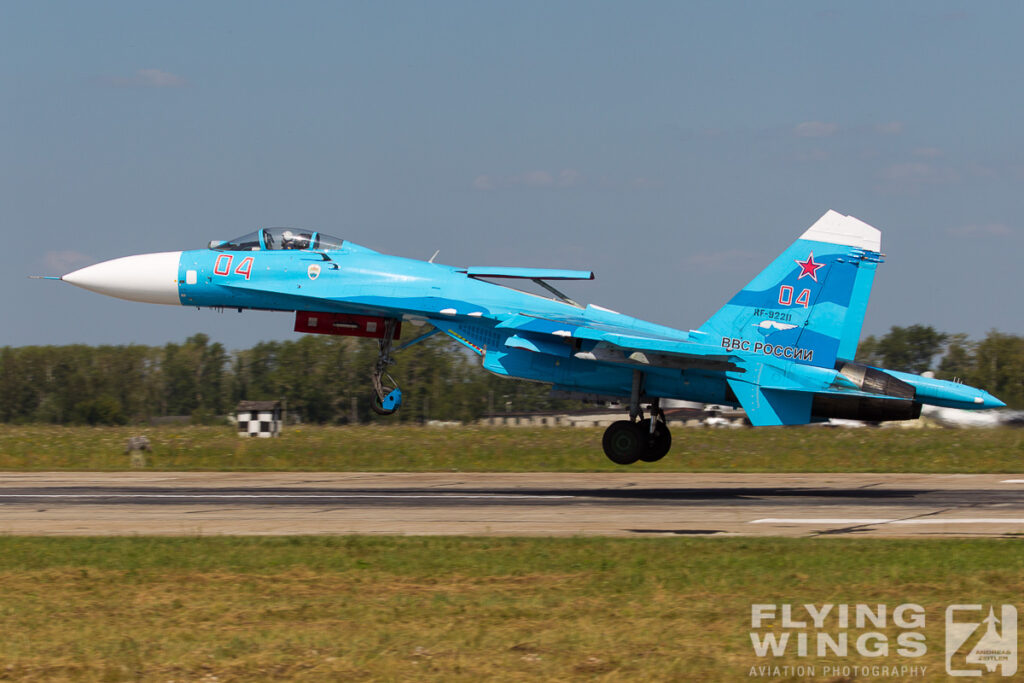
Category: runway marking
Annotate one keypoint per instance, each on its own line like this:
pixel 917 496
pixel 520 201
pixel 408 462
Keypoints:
pixel 930 520
pixel 818 520
pixel 1012 481
pixel 963 520
pixel 220 496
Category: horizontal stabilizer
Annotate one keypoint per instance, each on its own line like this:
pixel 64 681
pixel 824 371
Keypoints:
pixel 529 273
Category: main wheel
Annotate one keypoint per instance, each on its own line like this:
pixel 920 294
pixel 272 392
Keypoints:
pixel 658 444
pixel 623 442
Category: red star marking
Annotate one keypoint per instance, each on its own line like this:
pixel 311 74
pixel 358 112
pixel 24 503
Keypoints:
pixel 809 267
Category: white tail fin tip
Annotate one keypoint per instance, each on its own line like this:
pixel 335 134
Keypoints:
pixel 835 228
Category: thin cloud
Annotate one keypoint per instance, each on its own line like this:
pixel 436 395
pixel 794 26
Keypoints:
pixel 569 178
pixel 890 128
pixel 998 230
pixel 815 154
pixel 483 182
pixel 919 172
pixel 62 262
pixel 913 176
pixel 642 183
pixel 815 129
pixel 927 152
pixel 151 78
pixel 535 179
pixel 976 170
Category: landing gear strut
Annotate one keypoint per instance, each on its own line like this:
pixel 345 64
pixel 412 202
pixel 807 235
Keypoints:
pixel 386 398
pixel 649 440
pixel 659 439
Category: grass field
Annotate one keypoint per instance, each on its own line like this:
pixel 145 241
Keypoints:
pixel 467 449
pixel 218 609
pixel 455 609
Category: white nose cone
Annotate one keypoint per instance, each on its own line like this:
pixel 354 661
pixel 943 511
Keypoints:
pixel 150 278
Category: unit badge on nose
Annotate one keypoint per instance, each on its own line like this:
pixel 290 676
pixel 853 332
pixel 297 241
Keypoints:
pixel 313 271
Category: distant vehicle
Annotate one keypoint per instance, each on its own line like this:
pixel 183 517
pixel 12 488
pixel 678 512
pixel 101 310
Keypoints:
pixel 782 348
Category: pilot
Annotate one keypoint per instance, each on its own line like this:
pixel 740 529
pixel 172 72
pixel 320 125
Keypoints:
pixel 290 240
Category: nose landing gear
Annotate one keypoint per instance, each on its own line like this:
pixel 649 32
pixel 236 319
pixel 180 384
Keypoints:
pixel 386 399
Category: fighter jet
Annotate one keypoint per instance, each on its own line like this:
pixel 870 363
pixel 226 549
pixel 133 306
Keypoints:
pixel 783 348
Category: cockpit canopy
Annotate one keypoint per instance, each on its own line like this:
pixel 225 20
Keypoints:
pixel 280 238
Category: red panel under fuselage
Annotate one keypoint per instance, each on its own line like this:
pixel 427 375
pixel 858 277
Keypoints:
pixel 343 324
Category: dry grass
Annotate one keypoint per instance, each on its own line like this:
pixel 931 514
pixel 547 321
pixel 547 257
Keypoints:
pixel 406 448
pixel 450 609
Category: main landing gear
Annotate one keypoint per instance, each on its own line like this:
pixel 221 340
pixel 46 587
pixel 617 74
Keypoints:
pixel 649 440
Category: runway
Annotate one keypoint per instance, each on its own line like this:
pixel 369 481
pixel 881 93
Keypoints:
pixel 521 504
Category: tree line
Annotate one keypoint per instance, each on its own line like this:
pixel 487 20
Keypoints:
pixel 325 379
pixel 994 363
pixel 322 379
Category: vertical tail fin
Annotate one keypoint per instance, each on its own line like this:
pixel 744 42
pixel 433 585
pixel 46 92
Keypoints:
pixel 809 304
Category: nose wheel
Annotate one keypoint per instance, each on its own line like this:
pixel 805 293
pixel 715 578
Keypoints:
pixel 391 402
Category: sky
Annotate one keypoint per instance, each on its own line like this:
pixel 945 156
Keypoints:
pixel 674 148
